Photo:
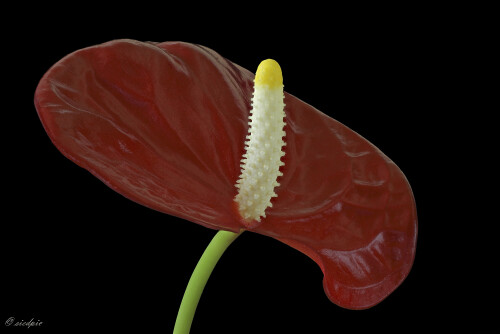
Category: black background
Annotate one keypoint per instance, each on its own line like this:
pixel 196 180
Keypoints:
pixel 76 255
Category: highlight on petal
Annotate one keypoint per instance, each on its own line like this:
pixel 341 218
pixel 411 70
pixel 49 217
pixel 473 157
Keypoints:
pixel 165 125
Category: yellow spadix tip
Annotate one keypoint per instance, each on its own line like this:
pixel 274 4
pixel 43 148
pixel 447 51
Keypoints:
pixel 269 74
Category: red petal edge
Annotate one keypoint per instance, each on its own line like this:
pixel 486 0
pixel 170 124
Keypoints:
pixel 164 124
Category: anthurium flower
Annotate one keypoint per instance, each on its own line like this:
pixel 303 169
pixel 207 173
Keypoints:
pixel 166 125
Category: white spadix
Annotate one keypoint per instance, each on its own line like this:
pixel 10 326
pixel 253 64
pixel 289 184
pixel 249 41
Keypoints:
pixel 262 160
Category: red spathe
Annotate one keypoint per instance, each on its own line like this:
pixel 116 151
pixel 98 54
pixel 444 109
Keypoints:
pixel 164 124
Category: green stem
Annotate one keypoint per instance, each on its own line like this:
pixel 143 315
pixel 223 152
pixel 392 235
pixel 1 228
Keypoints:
pixel 199 278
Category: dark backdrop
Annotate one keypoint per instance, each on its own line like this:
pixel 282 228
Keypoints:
pixel 75 254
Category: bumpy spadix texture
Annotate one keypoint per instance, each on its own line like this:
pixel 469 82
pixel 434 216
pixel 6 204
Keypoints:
pixel 164 124
pixel 262 160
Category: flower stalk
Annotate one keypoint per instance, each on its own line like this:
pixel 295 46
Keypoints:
pixel 199 279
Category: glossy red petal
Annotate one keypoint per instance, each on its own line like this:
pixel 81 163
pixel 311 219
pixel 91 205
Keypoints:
pixel 156 127
pixel 165 124
pixel 344 204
